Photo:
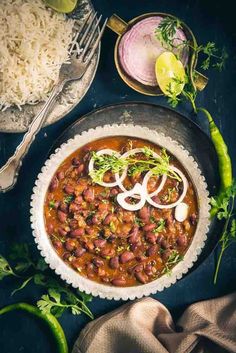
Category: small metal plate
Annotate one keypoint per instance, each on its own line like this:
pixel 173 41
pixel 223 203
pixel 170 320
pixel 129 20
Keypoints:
pixel 15 120
pixel 170 123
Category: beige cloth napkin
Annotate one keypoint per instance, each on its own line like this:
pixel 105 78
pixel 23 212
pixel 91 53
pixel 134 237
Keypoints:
pixel 146 326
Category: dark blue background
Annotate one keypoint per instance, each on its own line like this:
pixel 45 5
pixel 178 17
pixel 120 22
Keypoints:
pixel 210 21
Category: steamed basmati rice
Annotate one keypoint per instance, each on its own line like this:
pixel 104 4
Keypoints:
pixel 34 43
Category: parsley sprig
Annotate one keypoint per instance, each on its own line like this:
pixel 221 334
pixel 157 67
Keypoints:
pixel 29 269
pixel 225 205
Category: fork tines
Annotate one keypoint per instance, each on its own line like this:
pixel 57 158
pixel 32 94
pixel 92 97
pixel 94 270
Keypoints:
pixel 87 38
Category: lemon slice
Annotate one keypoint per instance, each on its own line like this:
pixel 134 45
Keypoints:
pixel 170 74
pixel 63 6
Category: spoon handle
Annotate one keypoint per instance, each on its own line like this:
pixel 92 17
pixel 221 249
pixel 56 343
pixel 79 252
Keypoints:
pixel 9 172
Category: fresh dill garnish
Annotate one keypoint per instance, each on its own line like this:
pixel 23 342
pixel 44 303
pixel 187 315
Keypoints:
pixel 174 258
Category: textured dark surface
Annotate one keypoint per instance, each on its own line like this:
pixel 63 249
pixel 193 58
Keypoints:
pixel 209 20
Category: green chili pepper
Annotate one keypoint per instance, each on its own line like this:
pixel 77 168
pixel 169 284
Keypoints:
pixel 49 319
pixel 224 161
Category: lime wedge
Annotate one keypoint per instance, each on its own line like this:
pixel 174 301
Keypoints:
pixel 170 74
pixel 63 6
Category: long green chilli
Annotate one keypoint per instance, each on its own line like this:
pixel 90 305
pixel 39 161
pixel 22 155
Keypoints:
pixel 49 320
pixel 224 161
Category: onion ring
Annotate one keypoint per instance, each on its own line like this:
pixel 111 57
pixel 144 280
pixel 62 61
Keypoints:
pixel 171 205
pixel 137 189
pixel 109 152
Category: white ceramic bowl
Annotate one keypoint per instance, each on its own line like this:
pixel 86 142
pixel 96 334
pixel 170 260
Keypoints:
pixel 74 278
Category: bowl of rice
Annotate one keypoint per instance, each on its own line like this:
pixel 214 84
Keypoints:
pixel 35 42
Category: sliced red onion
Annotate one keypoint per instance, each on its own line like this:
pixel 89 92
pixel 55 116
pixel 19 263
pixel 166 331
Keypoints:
pixel 137 190
pixel 182 196
pixel 139 48
pixel 109 152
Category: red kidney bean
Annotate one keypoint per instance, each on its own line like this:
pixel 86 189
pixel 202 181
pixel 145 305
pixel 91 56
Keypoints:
pixel 74 207
pixel 70 244
pixel 89 246
pixel 61 216
pixel 107 252
pixel 98 262
pixel 119 282
pixel 149 227
pixel 134 247
pixel 149 270
pixel 138 268
pixel 133 239
pixel 181 240
pixel 80 169
pixel 114 192
pixel 79 251
pixel 144 212
pixel 50 228
pixel 90 270
pixel 156 199
pixel 193 218
pixel 166 254
pixel 141 277
pixel 169 220
pixel 75 161
pixel 160 237
pixel 54 184
pixel 57 244
pixel 89 230
pixel 152 250
pixel 73 223
pixel 78 199
pixel 99 243
pixel 88 195
pixel 114 262
pixel 95 220
pixel 62 232
pixel 63 207
pixel 151 237
pixel 126 256
pixel 141 258
pixel 60 175
pixel 69 189
pixel 66 255
pixel 77 232
pixel 165 244
pixel 108 219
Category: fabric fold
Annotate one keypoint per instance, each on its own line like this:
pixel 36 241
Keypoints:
pixel 146 326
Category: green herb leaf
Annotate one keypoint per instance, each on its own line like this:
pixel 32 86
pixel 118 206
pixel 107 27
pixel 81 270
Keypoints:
pixel 68 199
pixel 160 226
pixel 5 268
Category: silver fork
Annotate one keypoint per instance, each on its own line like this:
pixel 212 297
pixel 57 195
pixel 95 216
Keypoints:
pixel 79 60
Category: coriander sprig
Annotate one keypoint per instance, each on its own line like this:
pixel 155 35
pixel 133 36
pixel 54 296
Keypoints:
pixel 224 205
pixel 174 258
pixel 159 165
pixel 165 33
pixel 60 296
